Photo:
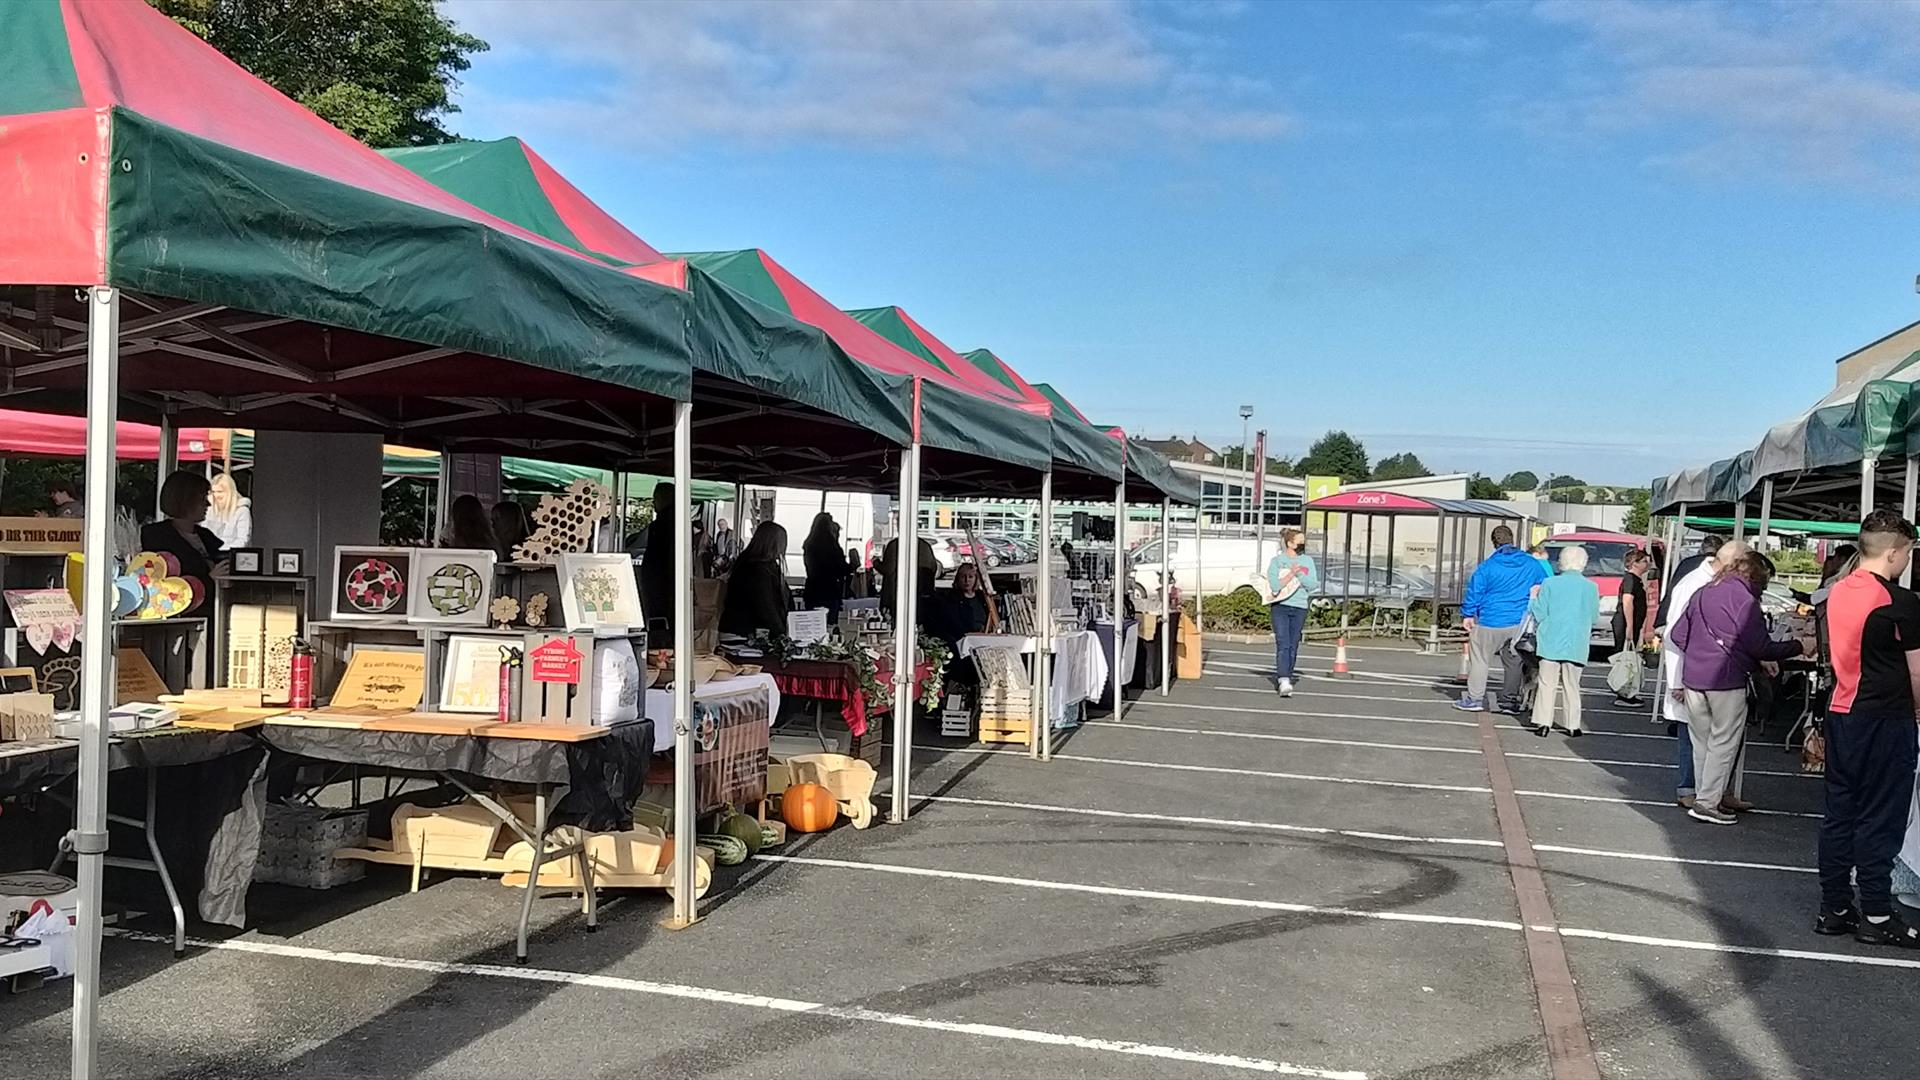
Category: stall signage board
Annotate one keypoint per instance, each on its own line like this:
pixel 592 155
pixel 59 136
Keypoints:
pixel 383 679
pixel 558 661
pixel 807 627
pixel 135 678
pixel 39 536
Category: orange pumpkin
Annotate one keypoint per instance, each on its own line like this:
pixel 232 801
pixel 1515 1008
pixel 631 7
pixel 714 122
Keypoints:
pixel 808 808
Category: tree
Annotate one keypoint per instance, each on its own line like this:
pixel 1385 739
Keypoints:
pixel 1636 522
pixel 1400 467
pixel 1335 454
pixel 1481 487
pixel 1520 481
pixel 1560 480
pixel 380 70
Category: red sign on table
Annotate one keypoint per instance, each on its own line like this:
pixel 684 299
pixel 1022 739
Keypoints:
pixel 558 661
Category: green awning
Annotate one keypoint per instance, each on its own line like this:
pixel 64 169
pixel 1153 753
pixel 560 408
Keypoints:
pixel 1778 525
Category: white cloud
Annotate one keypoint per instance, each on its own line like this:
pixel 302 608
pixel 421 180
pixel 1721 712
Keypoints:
pixel 955 76
pixel 1809 91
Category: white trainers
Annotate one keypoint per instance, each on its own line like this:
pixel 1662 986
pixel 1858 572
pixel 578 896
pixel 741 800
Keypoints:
pixel 1286 687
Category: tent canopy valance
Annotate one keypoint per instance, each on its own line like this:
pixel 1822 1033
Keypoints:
pixel 33 434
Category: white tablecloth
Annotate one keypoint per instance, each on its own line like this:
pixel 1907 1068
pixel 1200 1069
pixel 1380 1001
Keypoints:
pixel 1079 671
pixel 660 702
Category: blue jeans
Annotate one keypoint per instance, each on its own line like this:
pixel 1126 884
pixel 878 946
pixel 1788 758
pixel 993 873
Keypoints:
pixel 1683 760
pixel 1288 624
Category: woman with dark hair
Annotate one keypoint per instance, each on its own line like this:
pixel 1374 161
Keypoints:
pixel 1722 638
pixel 656 567
pixel 511 527
pixel 757 596
pixel 971 609
pixel 467 525
pixel 826 566
pixel 179 533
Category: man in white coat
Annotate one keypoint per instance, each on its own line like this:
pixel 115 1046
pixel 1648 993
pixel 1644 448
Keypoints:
pixel 1673 706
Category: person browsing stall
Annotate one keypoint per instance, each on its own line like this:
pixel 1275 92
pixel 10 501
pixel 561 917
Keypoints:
pixel 1292 578
pixel 1564 609
pixel 1496 601
pixel 229 513
pixel 1722 639
pixel 65 497
pixel 468 525
pixel 1873 628
pixel 827 568
pixel 757 595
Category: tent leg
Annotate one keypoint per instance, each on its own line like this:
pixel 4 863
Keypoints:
pixel 1676 528
pixel 169 458
pixel 685 904
pixel 89 837
pixel 619 510
pixel 1199 578
pixel 1740 519
pixel 1040 737
pixel 1120 576
pixel 1166 594
pixel 905 634
pixel 1866 487
pixel 1766 511
pixel 1433 625
pixel 1909 480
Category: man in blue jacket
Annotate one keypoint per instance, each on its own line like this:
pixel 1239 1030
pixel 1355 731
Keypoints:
pixel 1496 602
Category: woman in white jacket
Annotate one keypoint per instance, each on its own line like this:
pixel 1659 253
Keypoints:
pixel 229 513
pixel 1673 707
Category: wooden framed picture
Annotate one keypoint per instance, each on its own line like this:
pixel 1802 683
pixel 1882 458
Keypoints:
pixel 470 675
pixel 372 583
pixel 453 586
pixel 289 561
pixel 598 590
pixel 248 560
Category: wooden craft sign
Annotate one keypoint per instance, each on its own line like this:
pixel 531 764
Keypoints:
pixel 557 661
pixel 383 679
pixel 135 679
pixel 39 536
pixel 45 616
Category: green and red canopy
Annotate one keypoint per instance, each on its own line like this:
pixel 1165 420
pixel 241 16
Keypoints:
pixel 140 157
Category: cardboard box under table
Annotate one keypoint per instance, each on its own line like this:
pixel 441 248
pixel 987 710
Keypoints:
pixel 199 827
pixel 587 777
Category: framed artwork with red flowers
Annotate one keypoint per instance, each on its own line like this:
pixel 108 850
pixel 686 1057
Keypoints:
pixel 372 583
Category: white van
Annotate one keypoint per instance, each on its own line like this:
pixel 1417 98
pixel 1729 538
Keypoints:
pixel 1229 562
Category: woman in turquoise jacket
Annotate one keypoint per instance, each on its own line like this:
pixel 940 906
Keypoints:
pixel 1291 577
pixel 1564 611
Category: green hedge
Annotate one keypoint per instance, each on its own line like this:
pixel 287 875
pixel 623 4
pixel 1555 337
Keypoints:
pixel 1241 612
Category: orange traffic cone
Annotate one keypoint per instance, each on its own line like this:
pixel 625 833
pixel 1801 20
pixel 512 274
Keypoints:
pixel 1340 656
pixel 1466 647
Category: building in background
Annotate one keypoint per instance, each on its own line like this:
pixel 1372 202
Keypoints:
pixel 1863 361
pixel 1192 451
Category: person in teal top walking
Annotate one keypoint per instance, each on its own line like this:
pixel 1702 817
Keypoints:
pixel 1563 612
pixel 1292 578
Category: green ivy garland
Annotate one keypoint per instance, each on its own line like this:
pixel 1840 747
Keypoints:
pixel 938 653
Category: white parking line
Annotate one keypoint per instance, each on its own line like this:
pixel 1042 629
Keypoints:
pixel 1339 912
pixel 1357 834
pixel 1312 778
pixel 1155 703
pixel 757 1001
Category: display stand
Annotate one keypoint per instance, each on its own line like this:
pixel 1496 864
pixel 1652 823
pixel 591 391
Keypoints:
pixel 281 590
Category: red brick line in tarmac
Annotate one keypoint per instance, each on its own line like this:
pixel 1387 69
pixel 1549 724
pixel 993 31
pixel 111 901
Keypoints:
pixel 1569 1047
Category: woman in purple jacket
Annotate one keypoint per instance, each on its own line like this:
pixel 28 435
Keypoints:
pixel 1722 638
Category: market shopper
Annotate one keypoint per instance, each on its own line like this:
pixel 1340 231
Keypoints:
pixel 1722 639
pixel 926 574
pixel 1292 578
pixel 1630 627
pixel 1873 627
pixel 827 568
pixel 511 527
pixel 468 525
pixel 229 513
pixel 1491 612
pixel 757 595
pixel 1692 572
pixel 970 608
pixel 657 569
pixel 65 497
pixel 1564 609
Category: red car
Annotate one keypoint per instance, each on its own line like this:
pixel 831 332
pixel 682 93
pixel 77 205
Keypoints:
pixel 1606 565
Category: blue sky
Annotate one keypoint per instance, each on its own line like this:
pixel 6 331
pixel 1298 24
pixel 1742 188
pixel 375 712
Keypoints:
pixel 1605 238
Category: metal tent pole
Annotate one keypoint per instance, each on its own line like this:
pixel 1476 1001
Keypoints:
pixel 168 461
pixel 1766 510
pixel 1866 487
pixel 1040 739
pixel 619 510
pixel 1740 519
pixel 906 565
pixel 684 909
pixel 89 837
pixel 1907 492
pixel 1166 593
pixel 1119 587
pixel 1199 577
pixel 1433 624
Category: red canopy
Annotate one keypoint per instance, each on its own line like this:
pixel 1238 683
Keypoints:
pixel 47 435
pixel 1393 502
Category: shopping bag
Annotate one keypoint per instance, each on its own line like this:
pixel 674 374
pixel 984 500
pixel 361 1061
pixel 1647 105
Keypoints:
pixel 1626 670
pixel 52 929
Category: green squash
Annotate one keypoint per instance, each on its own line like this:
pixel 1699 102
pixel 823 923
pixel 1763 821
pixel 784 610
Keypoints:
pixel 742 828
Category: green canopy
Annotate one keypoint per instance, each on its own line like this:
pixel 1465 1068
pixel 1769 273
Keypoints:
pixel 1778 525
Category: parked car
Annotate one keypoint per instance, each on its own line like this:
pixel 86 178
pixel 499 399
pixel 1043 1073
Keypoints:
pixel 1606 566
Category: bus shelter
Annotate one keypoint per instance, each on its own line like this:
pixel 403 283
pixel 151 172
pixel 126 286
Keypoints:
pixel 1455 534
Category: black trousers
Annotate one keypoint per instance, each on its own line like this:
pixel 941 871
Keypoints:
pixel 1870 776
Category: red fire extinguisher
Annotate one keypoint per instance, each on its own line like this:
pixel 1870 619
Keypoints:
pixel 300 681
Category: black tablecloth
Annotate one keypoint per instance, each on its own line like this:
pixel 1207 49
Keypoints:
pixel 602 777
pixel 157 749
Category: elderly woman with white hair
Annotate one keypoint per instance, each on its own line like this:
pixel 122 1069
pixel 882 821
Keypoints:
pixel 1564 611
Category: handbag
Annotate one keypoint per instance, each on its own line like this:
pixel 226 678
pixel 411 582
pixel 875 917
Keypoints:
pixel 1527 641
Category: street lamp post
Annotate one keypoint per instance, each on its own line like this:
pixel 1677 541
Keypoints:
pixel 1246 462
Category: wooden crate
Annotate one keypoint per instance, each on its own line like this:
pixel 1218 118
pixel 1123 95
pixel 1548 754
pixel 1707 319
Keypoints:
pixel 1006 716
